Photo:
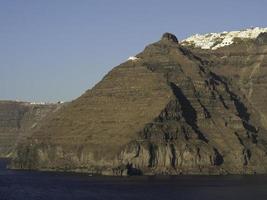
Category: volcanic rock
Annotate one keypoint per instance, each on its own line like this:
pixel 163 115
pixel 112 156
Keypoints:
pixel 172 111
pixel 170 37
pixel 17 119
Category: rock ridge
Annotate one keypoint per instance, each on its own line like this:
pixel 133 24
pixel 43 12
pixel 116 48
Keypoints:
pixel 171 111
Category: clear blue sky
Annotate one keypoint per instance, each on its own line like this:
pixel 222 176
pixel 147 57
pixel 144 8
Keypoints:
pixel 56 49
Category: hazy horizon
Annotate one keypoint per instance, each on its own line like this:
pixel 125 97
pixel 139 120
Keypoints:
pixel 55 50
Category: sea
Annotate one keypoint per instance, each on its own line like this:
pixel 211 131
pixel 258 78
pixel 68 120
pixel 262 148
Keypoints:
pixel 35 185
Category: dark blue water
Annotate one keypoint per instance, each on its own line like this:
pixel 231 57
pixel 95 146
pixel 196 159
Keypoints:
pixel 27 185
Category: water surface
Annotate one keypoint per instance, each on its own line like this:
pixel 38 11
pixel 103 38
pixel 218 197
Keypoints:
pixel 30 185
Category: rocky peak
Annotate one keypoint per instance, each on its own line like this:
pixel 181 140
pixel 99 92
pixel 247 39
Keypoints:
pixel 168 113
pixel 170 37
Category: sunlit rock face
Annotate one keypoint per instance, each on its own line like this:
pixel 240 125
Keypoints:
pixel 172 111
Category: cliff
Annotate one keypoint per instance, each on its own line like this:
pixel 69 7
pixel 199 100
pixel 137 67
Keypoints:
pixel 171 109
pixel 17 120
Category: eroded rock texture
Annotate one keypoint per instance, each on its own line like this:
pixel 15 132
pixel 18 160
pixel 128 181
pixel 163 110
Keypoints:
pixel 174 110
pixel 17 119
pixel 244 66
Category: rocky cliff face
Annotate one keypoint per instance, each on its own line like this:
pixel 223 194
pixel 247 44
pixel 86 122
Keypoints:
pixel 17 120
pixel 244 66
pixel 170 110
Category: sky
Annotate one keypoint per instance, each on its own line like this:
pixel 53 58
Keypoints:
pixel 54 50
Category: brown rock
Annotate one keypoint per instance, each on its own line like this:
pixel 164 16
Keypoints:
pixel 170 112
pixel 169 37
pixel 17 120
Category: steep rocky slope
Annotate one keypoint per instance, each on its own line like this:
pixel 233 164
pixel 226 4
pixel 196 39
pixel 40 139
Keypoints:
pixel 164 111
pixel 17 119
pixel 244 66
